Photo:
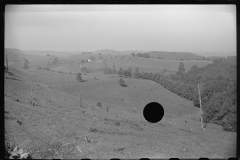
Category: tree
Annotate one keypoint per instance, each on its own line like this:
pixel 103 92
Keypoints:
pixel 120 72
pixel 26 63
pixel 46 68
pixel 157 78
pixel 154 76
pixel 181 68
pixel 193 69
pixel 114 69
pixel 49 64
pixel 145 55
pixel 82 61
pixel 84 70
pixel 108 70
pixel 79 77
pixel 122 83
pixel 55 61
pixel 142 74
pixel 133 54
pixel 130 72
pixel 126 73
pixel 99 104
pixel 105 66
pixel 150 75
pixel 93 58
pixel 146 75
pixel 136 73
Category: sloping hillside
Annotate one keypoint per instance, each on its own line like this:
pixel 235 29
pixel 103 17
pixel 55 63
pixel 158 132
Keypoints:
pixel 49 122
pixel 14 55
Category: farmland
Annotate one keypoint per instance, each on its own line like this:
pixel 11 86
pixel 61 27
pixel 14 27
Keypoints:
pixel 43 115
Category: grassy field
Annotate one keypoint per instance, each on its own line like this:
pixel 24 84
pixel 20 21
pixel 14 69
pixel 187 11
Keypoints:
pixel 144 64
pixel 49 122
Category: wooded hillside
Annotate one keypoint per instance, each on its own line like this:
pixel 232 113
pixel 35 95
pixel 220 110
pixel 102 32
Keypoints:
pixel 218 93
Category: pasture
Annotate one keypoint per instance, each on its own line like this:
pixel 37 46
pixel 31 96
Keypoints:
pixel 48 122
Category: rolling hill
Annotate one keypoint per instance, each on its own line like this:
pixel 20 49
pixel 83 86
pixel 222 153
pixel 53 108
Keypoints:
pixel 48 123
pixel 14 55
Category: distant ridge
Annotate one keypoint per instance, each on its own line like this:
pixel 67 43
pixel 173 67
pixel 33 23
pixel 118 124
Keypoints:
pixel 55 53
pixel 114 52
pixel 174 55
pixel 217 54
pixel 17 54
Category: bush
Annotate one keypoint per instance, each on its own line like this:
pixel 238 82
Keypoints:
pixel 99 104
pixel 26 65
pixel 46 68
pixel 230 122
pixel 85 70
pixel 39 67
pixel 122 83
pixel 79 77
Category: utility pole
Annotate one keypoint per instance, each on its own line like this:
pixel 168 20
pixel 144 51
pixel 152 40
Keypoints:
pixel 200 87
pixel 80 103
pixel 7 62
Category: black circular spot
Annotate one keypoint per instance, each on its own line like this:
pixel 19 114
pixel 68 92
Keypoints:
pixel 153 112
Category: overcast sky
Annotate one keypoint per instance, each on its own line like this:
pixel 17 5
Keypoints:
pixel 121 27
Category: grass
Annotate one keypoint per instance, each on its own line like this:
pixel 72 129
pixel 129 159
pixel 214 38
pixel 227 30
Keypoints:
pixel 145 64
pixel 57 126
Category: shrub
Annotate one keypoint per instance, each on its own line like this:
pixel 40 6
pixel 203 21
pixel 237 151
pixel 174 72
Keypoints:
pixel 46 68
pixel 99 104
pixel 79 77
pixel 26 63
pixel 121 72
pixel 230 122
pixel 39 67
pixel 122 83
pixel 107 70
pixel 86 70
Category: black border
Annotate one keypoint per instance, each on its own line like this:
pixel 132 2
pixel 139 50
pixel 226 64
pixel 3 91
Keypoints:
pixel 3 3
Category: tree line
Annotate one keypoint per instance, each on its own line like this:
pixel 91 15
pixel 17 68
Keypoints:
pixel 218 95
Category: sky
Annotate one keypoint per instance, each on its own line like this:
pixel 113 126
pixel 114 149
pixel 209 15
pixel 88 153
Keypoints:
pixel 181 28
